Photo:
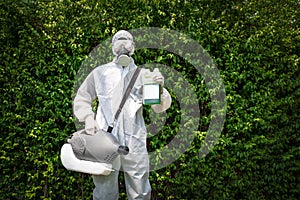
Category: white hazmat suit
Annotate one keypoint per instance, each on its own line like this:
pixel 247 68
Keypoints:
pixel 107 83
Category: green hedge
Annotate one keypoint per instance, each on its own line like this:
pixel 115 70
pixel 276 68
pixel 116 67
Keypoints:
pixel 255 45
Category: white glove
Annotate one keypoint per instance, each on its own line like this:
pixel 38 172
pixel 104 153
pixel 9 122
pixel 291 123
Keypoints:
pixel 91 126
pixel 158 77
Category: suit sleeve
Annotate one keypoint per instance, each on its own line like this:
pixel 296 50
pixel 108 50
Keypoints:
pixel 166 101
pixel 82 104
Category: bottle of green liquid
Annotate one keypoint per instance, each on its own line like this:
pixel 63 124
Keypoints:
pixel 151 89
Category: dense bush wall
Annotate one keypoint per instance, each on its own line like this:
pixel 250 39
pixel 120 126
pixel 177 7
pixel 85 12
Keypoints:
pixel 255 44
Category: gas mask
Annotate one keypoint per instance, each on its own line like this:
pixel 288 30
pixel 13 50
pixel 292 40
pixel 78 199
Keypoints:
pixel 123 57
pixel 123 47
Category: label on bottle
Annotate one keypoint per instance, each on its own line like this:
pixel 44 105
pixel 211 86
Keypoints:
pixel 151 94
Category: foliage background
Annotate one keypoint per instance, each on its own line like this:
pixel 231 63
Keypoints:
pixel 255 44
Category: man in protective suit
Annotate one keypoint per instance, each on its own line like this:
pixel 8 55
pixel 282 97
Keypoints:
pixel 108 83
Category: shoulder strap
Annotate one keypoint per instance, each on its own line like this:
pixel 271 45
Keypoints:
pixel 126 94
